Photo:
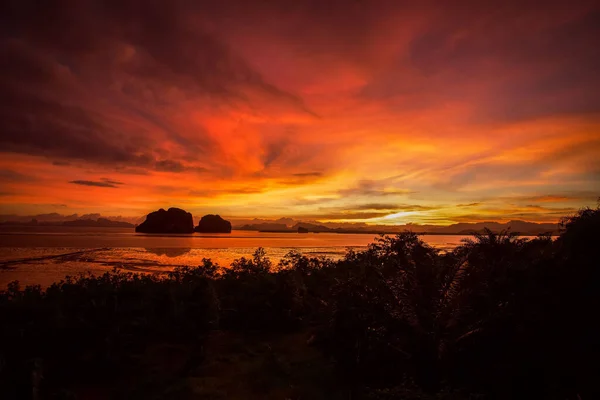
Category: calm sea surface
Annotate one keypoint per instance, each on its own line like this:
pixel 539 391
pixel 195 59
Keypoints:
pixel 34 255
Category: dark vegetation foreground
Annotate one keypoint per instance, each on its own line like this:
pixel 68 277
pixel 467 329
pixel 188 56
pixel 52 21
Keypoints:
pixel 497 318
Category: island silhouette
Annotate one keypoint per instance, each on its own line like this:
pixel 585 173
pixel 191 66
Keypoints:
pixel 176 220
pixel 396 320
pixel 173 220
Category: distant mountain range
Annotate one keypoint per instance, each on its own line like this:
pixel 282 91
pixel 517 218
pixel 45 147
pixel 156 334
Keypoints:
pixel 93 223
pixel 291 225
pixel 99 223
pixel 59 218
pixel 516 226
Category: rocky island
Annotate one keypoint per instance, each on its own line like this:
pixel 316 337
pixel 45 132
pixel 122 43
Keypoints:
pixel 213 224
pixel 174 220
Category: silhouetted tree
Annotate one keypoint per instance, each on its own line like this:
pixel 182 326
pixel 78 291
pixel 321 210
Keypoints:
pixel 498 316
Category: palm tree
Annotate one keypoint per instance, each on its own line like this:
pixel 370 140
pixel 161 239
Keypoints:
pixel 406 300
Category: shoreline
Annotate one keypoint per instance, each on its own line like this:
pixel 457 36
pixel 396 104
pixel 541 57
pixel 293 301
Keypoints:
pixel 396 233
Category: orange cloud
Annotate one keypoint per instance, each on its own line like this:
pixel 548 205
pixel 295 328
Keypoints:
pixel 463 111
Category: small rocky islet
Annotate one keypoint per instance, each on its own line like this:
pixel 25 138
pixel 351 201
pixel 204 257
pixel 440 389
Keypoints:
pixel 213 224
pixel 176 220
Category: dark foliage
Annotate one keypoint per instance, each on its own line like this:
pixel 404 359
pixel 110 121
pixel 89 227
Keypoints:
pixel 498 317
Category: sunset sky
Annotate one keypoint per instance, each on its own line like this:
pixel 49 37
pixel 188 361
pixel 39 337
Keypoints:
pixel 383 112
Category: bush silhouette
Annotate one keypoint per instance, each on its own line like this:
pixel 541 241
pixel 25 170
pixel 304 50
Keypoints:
pixel 497 317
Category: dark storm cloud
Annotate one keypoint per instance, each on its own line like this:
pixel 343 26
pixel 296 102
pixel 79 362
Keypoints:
pixel 475 204
pixel 172 48
pixel 530 61
pixel 107 183
pixel 314 28
pixel 68 67
pixel 144 50
pixel 308 174
pixel 38 115
pixel 112 182
pixel 377 206
pixel 36 126
pixel 169 166
pixel 9 175
pixel 258 96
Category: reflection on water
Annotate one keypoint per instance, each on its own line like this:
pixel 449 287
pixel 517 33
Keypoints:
pixel 169 252
pixel 43 257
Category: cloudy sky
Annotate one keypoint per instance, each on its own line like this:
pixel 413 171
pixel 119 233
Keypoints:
pixel 365 111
